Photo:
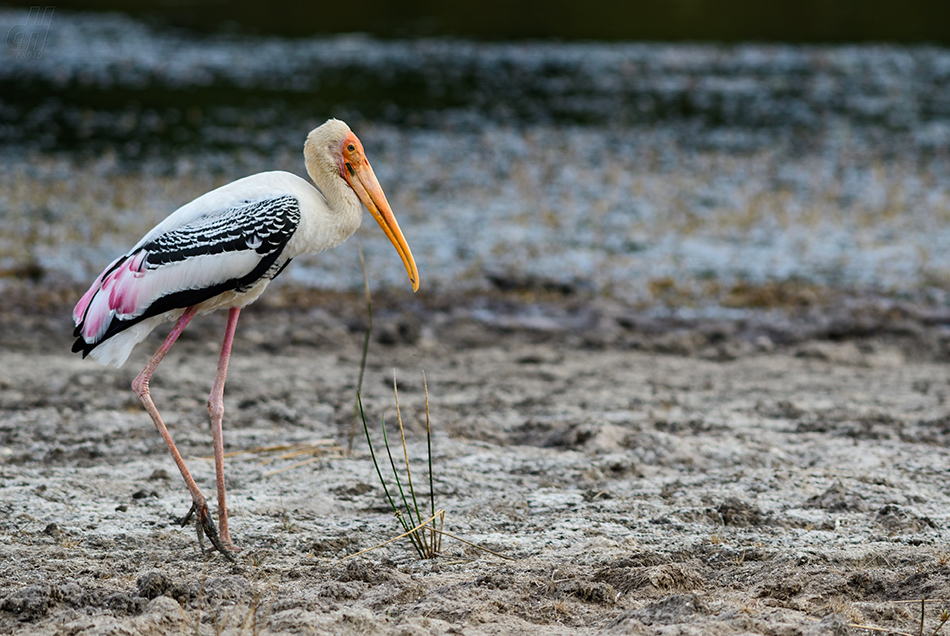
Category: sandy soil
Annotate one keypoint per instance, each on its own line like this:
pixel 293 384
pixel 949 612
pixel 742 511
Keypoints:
pixel 776 476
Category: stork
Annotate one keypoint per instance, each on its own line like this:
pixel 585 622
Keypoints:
pixel 221 251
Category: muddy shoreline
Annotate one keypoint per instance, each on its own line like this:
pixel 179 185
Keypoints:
pixel 645 475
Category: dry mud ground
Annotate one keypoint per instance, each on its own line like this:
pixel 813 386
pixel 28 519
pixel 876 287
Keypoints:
pixel 786 476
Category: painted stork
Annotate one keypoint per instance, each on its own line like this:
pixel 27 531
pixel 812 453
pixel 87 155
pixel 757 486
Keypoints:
pixel 221 251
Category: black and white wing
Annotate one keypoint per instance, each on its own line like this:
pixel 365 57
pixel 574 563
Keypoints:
pixel 178 265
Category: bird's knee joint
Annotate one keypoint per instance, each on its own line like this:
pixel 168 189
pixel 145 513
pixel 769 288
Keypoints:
pixel 216 410
pixel 140 386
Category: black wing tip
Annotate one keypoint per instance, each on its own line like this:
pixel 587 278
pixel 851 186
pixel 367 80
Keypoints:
pixel 82 345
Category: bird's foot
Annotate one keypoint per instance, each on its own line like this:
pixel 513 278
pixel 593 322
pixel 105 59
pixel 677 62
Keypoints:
pixel 205 527
pixel 227 543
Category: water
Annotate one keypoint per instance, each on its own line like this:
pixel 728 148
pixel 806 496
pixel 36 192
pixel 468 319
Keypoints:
pixel 640 171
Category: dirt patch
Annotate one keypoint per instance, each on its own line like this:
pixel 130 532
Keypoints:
pixel 774 476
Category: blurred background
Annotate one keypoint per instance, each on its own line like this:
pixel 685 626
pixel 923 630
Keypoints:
pixel 694 155
pixel 909 21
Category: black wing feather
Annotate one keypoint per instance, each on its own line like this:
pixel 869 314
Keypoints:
pixel 264 226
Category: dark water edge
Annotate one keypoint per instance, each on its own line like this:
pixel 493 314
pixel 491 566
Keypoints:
pixel 730 21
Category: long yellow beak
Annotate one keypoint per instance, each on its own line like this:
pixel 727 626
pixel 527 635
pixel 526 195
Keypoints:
pixel 363 180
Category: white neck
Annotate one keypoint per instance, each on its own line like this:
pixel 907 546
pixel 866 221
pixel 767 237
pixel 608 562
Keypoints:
pixel 328 223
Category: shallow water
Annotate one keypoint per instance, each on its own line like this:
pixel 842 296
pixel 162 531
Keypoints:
pixel 641 171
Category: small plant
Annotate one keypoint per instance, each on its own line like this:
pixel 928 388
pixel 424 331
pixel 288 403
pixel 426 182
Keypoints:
pixel 425 538
pixel 424 533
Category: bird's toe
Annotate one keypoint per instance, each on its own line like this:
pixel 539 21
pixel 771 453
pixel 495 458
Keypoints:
pixel 204 524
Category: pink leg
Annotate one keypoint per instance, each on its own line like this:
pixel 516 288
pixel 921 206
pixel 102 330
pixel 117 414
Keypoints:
pixel 216 409
pixel 140 387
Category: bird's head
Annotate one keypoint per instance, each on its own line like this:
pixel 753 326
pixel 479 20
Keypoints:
pixel 333 148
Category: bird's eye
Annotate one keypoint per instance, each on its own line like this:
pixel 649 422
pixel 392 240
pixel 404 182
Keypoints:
pixel 351 148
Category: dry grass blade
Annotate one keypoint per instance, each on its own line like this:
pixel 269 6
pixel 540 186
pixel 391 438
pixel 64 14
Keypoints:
pixel 292 466
pixel 317 450
pixel 440 514
pixel 476 546
pixel 320 448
